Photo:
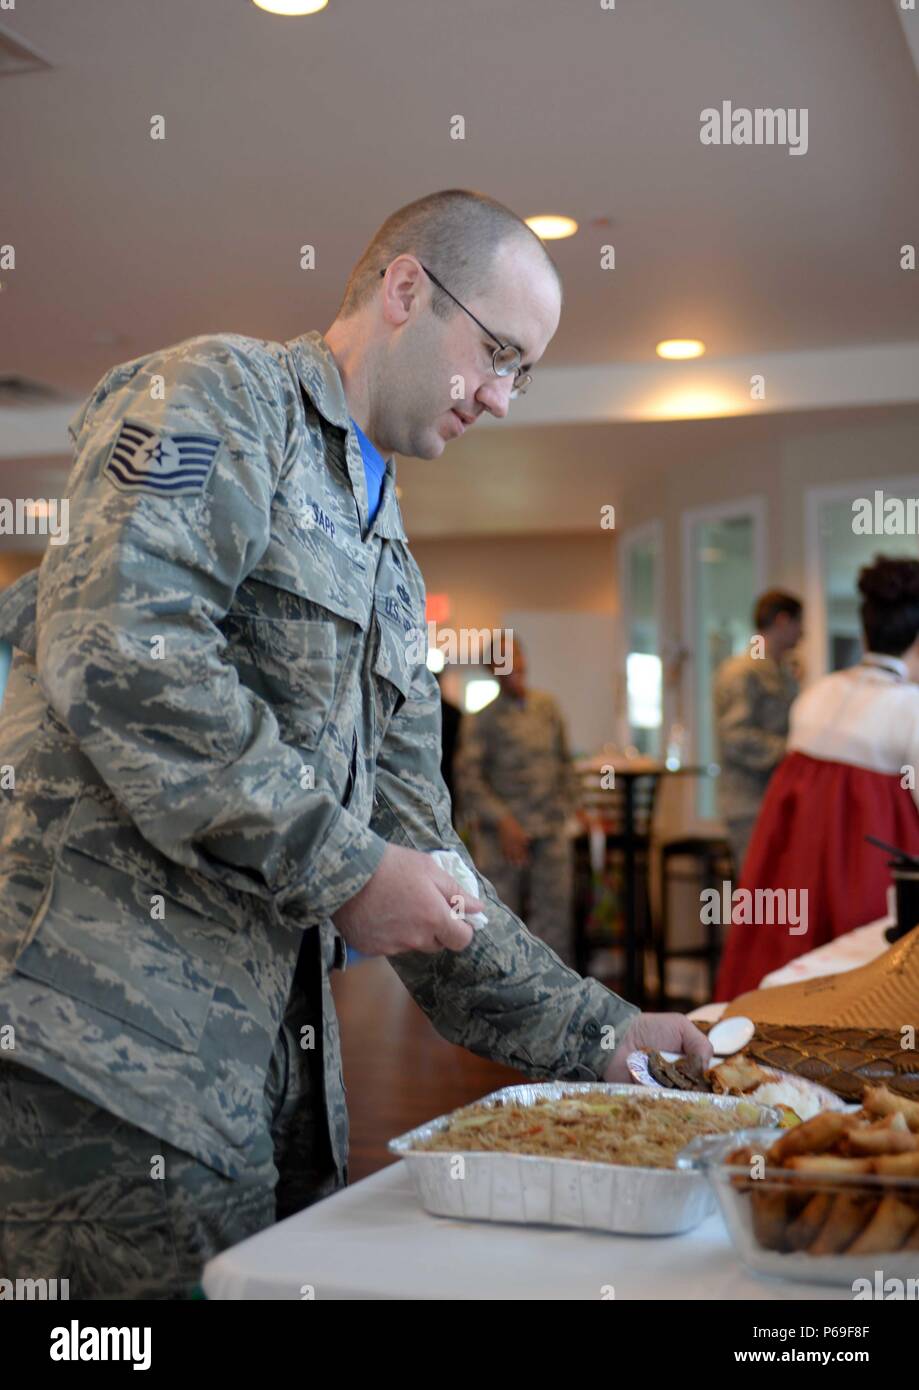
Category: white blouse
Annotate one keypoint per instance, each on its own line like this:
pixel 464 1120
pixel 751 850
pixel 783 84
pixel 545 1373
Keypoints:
pixel 867 716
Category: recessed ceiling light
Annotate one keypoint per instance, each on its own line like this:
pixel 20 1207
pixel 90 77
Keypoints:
pixel 680 347
pixel 291 6
pixel 550 227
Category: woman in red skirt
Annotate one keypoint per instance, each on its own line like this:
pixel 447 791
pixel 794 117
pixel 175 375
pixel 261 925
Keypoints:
pixel 851 770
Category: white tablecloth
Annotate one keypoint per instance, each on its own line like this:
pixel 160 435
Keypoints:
pixel 373 1240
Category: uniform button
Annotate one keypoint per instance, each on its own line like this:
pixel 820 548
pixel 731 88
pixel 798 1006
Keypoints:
pixel 591 1028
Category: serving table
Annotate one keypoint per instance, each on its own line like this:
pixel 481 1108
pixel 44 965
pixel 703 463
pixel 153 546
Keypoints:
pixel 373 1240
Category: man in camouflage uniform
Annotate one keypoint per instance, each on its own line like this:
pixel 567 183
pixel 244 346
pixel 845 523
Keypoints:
pixel 516 780
pixel 227 765
pixel 753 693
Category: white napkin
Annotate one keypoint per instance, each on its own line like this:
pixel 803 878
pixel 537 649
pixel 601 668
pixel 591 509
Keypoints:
pixel 456 867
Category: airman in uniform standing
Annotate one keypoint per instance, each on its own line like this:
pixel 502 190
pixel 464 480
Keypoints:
pixel 516 779
pixel 753 695
pixel 226 763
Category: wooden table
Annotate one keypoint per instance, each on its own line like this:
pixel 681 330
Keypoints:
pixel 398 1070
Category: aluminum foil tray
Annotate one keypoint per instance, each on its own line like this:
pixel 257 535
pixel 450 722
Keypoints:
pixel 530 1190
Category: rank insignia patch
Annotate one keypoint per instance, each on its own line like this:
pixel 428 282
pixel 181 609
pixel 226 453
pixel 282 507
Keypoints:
pixel 170 465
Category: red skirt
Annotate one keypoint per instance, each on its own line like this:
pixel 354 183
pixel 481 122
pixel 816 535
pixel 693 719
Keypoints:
pixel 810 836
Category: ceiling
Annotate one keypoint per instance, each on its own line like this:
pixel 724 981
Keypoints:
pixel 283 132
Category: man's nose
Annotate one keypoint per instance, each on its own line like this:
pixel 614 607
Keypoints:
pixel 495 395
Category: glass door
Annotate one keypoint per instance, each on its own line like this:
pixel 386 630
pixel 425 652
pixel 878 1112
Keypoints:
pixel 723 572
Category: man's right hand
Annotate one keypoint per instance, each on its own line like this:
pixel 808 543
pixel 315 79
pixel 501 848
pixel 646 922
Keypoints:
pixel 409 904
pixel 515 842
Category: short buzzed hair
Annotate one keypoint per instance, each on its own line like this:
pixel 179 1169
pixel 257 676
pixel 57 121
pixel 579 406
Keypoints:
pixel 455 233
pixel 771 604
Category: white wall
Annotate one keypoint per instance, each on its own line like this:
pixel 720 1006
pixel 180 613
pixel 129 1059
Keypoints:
pixel 572 656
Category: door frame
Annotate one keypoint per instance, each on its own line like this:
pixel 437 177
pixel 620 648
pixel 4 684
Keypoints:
pixel 755 506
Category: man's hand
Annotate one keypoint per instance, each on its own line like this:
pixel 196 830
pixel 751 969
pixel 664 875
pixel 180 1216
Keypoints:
pixel 515 842
pixel 659 1033
pixel 409 904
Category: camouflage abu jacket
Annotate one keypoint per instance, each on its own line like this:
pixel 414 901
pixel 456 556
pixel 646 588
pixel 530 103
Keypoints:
pixel 215 727
pixel 513 758
pixel 752 698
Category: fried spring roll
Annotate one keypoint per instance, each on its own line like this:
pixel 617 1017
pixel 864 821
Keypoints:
pixel 897 1165
pixel 849 1215
pixel 882 1139
pixel 814 1136
pixel 879 1100
pixel 834 1165
pixel 770 1218
pixel 890 1225
pixel 805 1228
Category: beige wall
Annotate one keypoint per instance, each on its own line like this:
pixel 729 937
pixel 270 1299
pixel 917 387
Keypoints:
pixel 487 578
pixel 13 563
pixel 558 594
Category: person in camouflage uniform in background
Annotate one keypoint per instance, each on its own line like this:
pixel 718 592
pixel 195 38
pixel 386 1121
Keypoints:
pixel 753 694
pixel 222 763
pixel 516 781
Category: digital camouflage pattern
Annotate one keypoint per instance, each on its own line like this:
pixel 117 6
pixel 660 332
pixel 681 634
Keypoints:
pixel 513 759
pixel 216 721
pixel 540 891
pixel 87 1198
pixel 752 699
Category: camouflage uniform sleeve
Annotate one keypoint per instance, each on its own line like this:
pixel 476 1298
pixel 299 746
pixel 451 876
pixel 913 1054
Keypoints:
pixel 740 737
pixel 478 797
pixel 129 651
pixel 507 996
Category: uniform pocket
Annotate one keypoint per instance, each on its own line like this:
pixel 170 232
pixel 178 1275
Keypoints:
pixel 392 671
pixel 123 946
pixel 291 663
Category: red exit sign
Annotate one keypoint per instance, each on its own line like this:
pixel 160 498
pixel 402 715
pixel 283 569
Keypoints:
pixel 437 608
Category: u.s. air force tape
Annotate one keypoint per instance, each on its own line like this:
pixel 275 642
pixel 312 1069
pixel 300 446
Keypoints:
pixel 172 464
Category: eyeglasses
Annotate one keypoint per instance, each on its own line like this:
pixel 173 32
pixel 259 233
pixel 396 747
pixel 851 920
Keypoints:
pixel 505 358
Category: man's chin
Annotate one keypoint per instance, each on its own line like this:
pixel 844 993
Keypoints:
pixel 432 445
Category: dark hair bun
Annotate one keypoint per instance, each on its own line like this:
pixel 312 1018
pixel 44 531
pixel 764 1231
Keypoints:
pixel 889 581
